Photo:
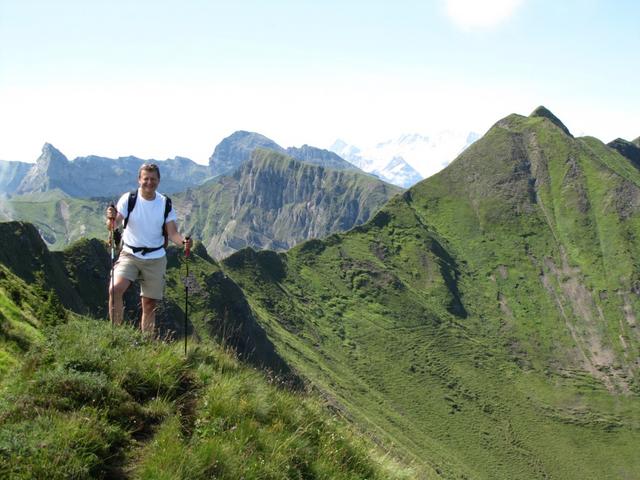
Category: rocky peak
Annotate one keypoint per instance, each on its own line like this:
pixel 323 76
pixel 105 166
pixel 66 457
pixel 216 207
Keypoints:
pixel 51 157
pixel 543 112
pixel 636 142
pixel 398 172
pixel 351 153
pixel 318 156
pixel 50 166
pixel 236 149
pixel 627 149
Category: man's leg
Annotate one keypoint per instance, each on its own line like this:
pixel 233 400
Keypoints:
pixel 116 306
pixel 149 306
pixel 151 291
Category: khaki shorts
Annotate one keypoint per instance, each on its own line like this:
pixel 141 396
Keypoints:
pixel 150 273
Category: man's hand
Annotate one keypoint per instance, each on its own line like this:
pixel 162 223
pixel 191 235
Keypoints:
pixel 111 217
pixel 188 243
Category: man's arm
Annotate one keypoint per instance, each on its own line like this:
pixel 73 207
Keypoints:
pixel 174 236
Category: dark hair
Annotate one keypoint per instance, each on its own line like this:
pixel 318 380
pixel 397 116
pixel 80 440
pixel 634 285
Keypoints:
pixel 149 167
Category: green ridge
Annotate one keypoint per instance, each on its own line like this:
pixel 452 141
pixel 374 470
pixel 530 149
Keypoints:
pixel 483 322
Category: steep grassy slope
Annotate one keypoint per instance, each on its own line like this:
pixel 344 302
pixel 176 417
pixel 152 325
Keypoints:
pixel 552 223
pixel 19 322
pixel 82 399
pixel 484 321
pixel 93 401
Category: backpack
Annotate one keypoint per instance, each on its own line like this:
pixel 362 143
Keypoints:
pixel 133 198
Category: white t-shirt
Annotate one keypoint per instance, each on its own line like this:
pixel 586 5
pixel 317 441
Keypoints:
pixel 144 228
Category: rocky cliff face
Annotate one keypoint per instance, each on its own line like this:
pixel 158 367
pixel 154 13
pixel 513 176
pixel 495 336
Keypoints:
pixel 318 156
pixel 95 176
pixel 236 149
pixel 274 202
pixel 12 174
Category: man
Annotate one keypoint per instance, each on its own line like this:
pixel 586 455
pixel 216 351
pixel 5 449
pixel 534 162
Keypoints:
pixel 143 256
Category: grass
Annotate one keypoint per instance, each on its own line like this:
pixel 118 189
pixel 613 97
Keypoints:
pixel 93 401
pixel 19 325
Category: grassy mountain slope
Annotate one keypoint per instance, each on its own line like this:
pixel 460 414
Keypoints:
pixel 60 219
pixel 484 321
pixel 552 212
pixel 92 401
pixel 82 399
pixel 19 323
pixel 77 279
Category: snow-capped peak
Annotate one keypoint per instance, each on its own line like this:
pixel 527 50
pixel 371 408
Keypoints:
pixel 425 154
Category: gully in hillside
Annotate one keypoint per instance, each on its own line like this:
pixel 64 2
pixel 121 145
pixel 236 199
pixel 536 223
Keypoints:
pixel 149 222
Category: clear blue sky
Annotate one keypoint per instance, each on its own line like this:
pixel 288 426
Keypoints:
pixel 163 78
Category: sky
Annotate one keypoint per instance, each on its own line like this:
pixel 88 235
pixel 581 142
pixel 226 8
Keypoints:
pixel 164 78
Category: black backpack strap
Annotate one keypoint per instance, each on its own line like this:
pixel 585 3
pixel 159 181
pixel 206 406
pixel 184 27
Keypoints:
pixel 133 197
pixel 167 209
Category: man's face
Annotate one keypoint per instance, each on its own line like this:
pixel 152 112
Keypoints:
pixel 148 182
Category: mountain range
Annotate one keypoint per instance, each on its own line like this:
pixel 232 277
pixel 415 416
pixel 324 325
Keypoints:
pixel 482 324
pixel 270 201
pixel 94 176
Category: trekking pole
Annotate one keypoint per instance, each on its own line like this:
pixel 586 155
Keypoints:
pixel 187 251
pixel 113 260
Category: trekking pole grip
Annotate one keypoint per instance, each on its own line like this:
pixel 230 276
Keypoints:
pixel 187 246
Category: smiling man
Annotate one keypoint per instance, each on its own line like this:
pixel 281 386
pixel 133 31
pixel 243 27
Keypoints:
pixel 149 222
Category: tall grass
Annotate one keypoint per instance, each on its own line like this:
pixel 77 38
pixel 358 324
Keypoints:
pixel 93 401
